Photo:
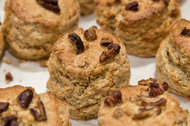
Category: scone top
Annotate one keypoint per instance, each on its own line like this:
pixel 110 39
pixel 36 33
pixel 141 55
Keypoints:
pixel 47 12
pixel 180 34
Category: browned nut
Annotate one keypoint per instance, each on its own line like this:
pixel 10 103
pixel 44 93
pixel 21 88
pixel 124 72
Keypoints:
pixel 103 57
pixel 114 98
pixel 160 102
pixel 3 106
pixel 8 77
pixel 90 34
pixel 165 86
pixel 10 120
pixel 106 41
pixel 133 6
pixel 185 32
pixel 25 98
pixel 74 38
pixel 50 5
pixel 39 113
pixel 155 90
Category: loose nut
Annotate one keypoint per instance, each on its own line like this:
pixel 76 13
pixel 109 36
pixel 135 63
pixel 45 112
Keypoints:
pixel 25 98
pixel 50 5
pixel 106 41
pixel 3 106
pixel 10 120
pixel 185 32
pixel 90 34
pixel 74 38
pixel 39 113
pixel 133 6
pixel 114 98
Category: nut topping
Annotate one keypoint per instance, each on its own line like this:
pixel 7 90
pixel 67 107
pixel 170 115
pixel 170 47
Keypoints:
pixel 106 41
pixel 25 98
pixel 160 102
pixel 10 120
pixel 74 38
pixel 165 86
pixel 155 90
pixel 114 98
pixel 50 5
pixel 3 106
pixel 90 34
pixel 39 113
pixel 133 6
pixel 185 32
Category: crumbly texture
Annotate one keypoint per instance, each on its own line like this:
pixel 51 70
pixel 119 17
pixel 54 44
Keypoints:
pixel 56 110
pixel 81 79
pixel 173 58
pixel 30 30
pixel 141 30
pixel 137 108
pixel 2 44
pixel 86 7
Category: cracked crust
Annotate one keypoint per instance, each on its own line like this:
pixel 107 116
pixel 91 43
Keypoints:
pixel 31 30
pixel 81 80
pixel 172 60
pixel 141 31
pixel 132 111
pixel 86 7
pixel 56 110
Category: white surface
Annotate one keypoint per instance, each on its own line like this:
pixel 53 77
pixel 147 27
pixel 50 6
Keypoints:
pixel 31 74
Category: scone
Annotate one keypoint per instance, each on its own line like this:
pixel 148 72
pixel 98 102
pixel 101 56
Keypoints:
pixel 21 106
pixel 84 67
pixel 86 6
pixel 31 27
pixel 2 44
pixel 147 104
pixel 140 24
pixel 173 59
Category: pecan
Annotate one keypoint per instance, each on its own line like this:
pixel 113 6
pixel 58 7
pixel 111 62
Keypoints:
pixel 8 77
pixel 147 82
pixel 10 120
pixel 25 98
pixel 159 111
pixel 90 34
pixel 106 41
pixel 74 38
pixel 3 106
pixel 155 90
pixel 50 5
pixel 185 32
pixel 114 98
pixel 165 86
pixel 39 113
pixel 160 102
pixel 133 6
pixel 103 57
pixel 141 115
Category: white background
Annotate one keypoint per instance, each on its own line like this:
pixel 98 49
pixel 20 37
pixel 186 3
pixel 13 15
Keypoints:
pixel 31 74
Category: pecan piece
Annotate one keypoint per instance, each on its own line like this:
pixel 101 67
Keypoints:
pixel 90 34
pixel 133 6
pixel 103 57
pixel 114 98
pixel 155 90
pixel 3 106
pixel 8 77
pixel 165 86
pixel 160 102
pixel 10 120
pixel 39 113
pixel 185 32
pixel 74 38
pixel 25 98
pixel 106 41
pixel 50 5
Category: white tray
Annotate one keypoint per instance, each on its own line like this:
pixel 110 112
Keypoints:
pixel 31 74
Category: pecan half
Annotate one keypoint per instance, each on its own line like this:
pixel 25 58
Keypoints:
pixel 160 102
pixel 50 5
pixel 185 32
pixel 3 106
pixel 74 38
pixel 10 120
pixel 114 98
pixel 155 90
pixel 106 41
pixel 25 98
pixel 90 34
pixel 39 113
pixel 133 6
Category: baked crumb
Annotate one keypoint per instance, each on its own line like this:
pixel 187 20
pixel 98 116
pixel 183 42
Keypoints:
pixel 7 60
pixel 43 63
pixel 8 77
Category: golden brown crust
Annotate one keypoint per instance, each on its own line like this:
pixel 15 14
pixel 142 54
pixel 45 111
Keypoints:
pixel 2 44
pixel 86 7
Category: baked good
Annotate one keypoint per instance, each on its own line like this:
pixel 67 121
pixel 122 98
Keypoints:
pixel 2 44
pixel 31 27
pixel 147 104
pixel 21 106
pixel 84 67
pixel 173 58
pixel 86 6
pixel 140 24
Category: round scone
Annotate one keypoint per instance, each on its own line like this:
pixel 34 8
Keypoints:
pixel 2 44
pixel 140 24
pixel 85 66
pixel 31 27
pixel 86 6
pixel 147 104
pixel 173 58
pixel 21 106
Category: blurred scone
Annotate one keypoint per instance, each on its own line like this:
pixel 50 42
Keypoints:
pixel 173 59
pixel 140 24
pixel 85 66
pixel 147 104
pixel 2 44
pixel 31 27
pixel 86 6
pixel 21 106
